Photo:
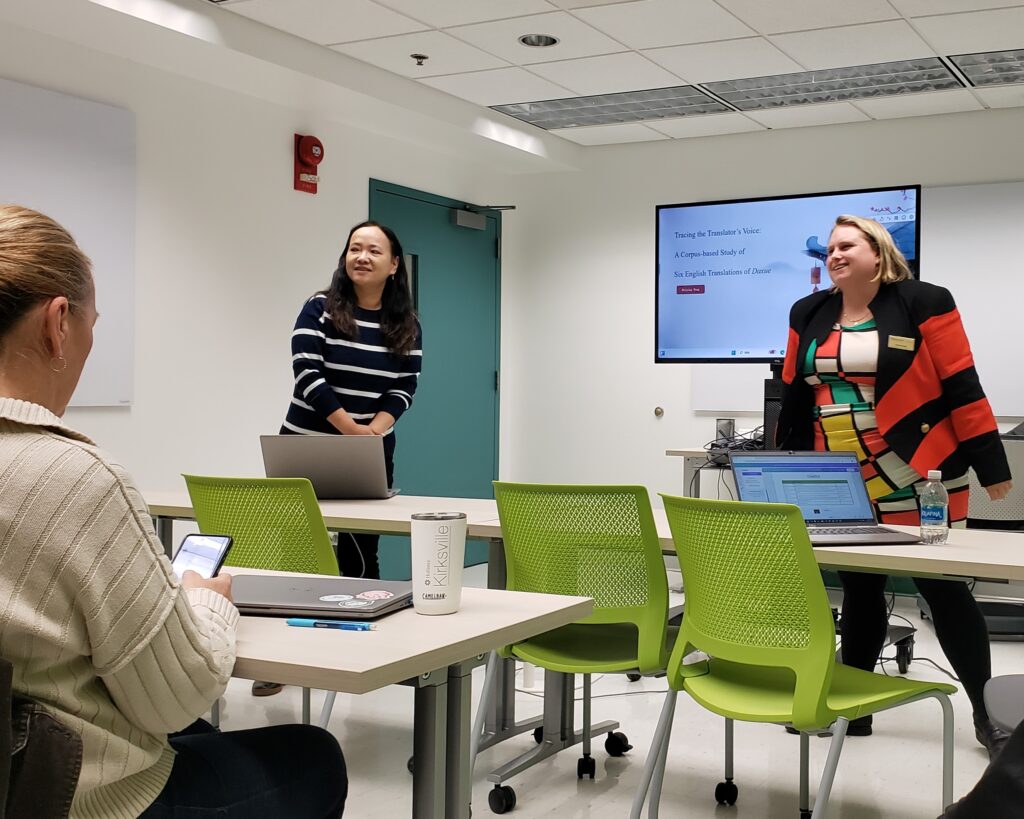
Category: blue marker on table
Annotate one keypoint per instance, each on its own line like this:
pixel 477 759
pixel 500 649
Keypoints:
pixel 340 625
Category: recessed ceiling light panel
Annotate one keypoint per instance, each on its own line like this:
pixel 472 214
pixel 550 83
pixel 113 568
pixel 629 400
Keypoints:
pixel 836 84
pixel 610 109
pixel 992 67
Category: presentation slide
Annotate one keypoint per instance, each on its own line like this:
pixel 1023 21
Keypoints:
pixel 729 272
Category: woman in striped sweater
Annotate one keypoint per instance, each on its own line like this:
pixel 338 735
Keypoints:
pixel 97 628
pixel 356 356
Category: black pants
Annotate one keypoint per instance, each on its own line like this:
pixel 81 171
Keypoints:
pixel 358 553
pixel 296 771
pixel 958 621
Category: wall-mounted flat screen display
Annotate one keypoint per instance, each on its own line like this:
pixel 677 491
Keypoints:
pixel 728 272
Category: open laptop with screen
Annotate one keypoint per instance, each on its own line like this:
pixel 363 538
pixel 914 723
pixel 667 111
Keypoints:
pixel 827 486
pixel 326 598
pixel 340 467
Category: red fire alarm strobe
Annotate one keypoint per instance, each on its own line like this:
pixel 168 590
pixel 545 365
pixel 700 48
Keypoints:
pixel 309 152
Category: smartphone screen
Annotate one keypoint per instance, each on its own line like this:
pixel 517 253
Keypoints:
pixel 203 554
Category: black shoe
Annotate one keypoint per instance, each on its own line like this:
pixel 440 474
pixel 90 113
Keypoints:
pixel 991 736
pixel 860 727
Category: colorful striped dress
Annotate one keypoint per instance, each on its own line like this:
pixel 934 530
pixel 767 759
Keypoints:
pixel 841 372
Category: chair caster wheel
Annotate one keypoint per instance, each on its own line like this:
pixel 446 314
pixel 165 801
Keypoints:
pixel 904 654
pixel 633 677
pixel 501 799
pixel 538 735
pixel 617 743
pixel 411 764
pixel 726 793
pixel 586 766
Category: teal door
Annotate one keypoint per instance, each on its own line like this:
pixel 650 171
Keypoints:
pixel 447 443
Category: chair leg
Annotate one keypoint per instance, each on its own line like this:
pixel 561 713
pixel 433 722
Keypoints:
pixel 586 715
pixel 805 787
pixel 835 748
pixel 486 693
pixel 325 712
pixel 659 777
pixel 729 724
pixel 660 740
pixel 947 750
pixel 215 713
pixel 305 706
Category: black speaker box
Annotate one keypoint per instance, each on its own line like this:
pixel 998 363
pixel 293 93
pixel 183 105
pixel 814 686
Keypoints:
pixel 772 407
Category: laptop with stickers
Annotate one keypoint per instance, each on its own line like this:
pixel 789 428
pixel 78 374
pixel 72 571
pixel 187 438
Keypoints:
pixel 827 486
pixel 325 598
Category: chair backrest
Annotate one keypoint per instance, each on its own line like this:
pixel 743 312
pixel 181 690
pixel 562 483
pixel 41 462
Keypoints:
pixel 1008 513
pixel 276 523
pixel 754 592
pixel 595 541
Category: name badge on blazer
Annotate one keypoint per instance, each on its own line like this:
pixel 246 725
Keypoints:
pixel 901 343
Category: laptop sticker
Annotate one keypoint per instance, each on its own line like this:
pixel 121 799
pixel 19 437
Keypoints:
pixel 335 598
pixel 375 594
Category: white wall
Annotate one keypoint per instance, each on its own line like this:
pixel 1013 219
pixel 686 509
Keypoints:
pixel 226 250
pixel 578 329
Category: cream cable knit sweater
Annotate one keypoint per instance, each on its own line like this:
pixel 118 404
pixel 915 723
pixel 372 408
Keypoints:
pixel 97 627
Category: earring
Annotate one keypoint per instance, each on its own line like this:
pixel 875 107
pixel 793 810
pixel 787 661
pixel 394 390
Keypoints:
pixel 64 364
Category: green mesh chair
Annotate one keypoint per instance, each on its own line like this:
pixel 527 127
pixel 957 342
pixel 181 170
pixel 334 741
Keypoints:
pixel 757 607
pixel 599 542
pixel 275 523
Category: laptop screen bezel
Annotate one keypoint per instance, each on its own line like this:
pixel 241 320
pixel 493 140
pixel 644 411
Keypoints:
pixel 794 455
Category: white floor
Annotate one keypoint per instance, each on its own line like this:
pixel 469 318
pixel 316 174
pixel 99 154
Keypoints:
pixel 894 773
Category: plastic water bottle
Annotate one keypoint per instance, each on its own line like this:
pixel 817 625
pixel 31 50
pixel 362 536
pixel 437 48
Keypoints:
pixel 934 509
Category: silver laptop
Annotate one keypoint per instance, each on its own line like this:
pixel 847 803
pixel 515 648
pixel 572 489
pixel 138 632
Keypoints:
pixel 323 598
pixel 827 486
pixel 340 467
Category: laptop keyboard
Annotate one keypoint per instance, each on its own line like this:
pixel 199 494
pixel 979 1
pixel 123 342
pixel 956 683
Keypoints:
pixel 850 530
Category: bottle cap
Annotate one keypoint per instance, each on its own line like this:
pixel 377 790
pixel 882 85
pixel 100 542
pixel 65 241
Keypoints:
pixel 935 474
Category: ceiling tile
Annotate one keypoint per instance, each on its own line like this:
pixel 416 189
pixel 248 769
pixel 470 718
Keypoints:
pixel 499 87
pixel 327 22
pixel 729 60
pixel 607 74
pixel 920 105
pixel 854 45
pixel 974 31
pixel 609 134
pixel 655 23
pixel 709 125
pixel 444 13
pixel 799 116
pixel 1006 96
pixel 800 15
pixel 446 54
pixel 917 8
pixel 576 39
pixel 577 4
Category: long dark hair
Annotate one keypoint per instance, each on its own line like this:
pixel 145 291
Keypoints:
pixel 397 317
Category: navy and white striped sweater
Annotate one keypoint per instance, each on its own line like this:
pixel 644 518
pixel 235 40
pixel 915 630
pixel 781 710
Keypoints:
pixel 358 375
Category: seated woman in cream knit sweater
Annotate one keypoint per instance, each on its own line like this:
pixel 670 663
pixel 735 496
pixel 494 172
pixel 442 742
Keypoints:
pixel 97 627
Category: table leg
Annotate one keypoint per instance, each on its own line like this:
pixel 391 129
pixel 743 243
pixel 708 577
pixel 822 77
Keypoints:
pixel 430 725
pixel 165 531
pixel 459 785
pixel 501 720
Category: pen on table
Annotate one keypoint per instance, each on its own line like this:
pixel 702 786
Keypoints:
pixel 340 625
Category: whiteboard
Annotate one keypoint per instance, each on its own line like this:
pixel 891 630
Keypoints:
pixel 970 244
pixel 74 160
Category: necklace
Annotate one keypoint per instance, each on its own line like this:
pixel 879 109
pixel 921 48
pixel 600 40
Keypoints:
pixel 848 322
